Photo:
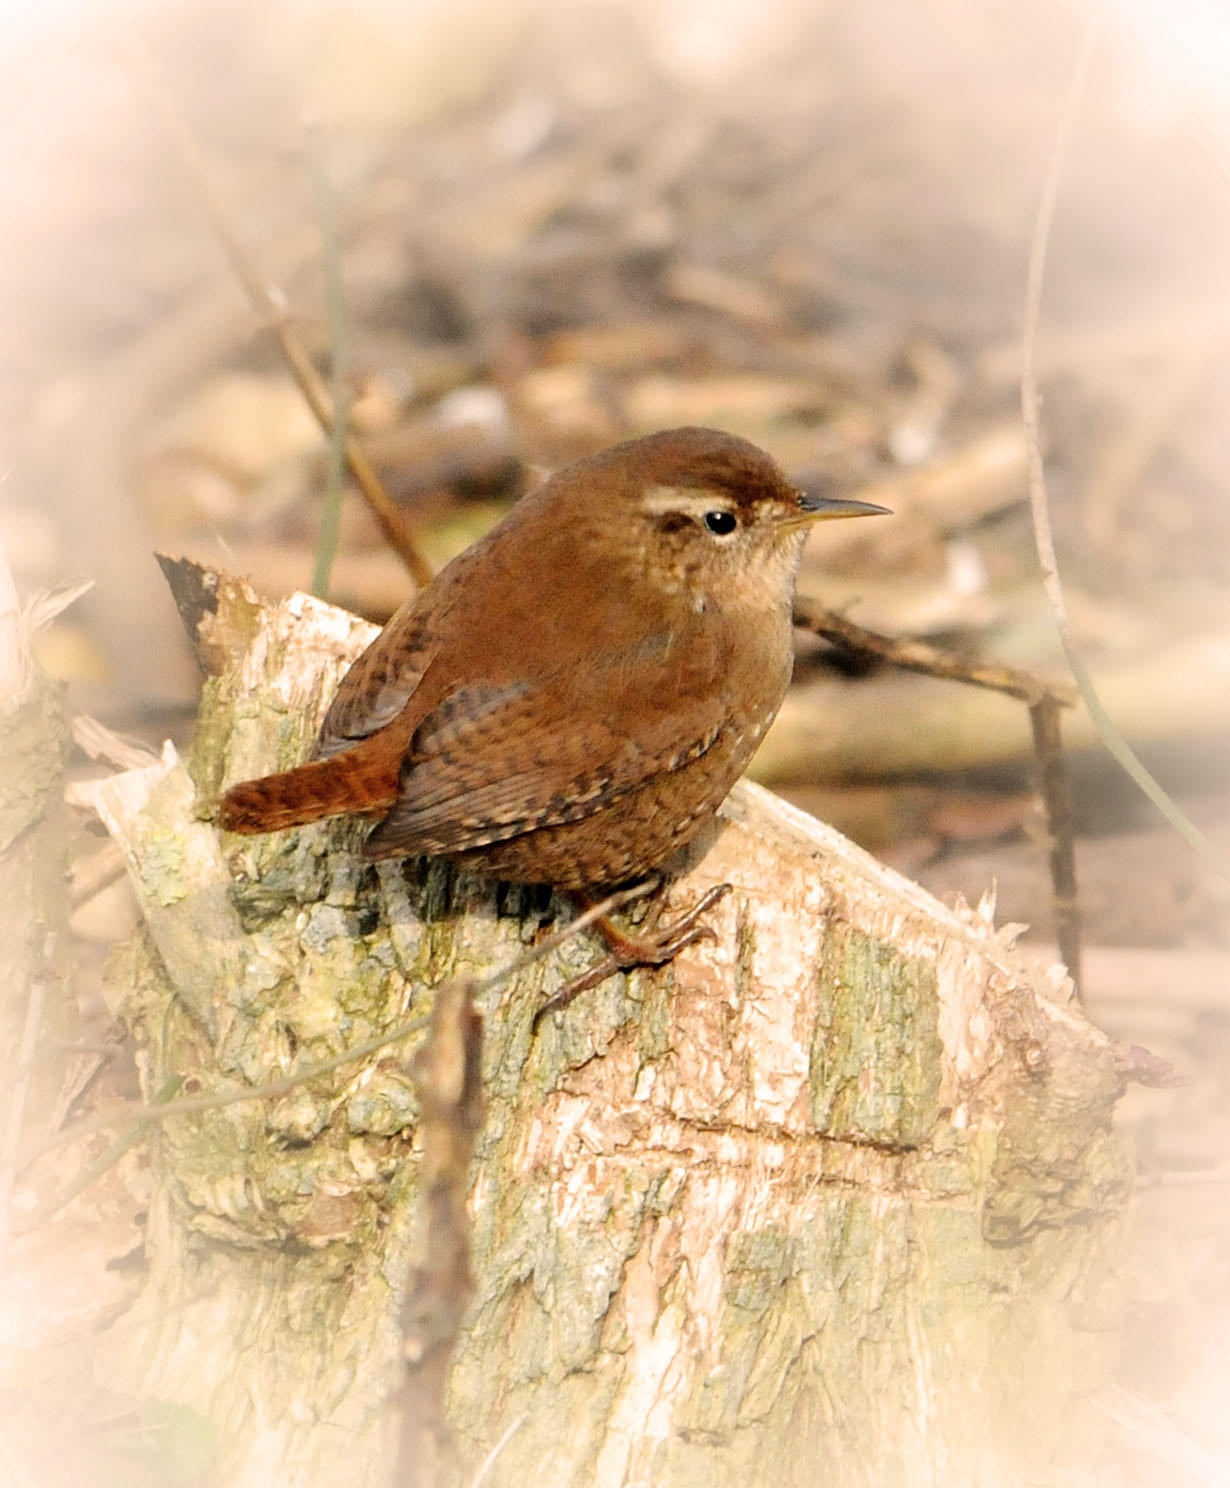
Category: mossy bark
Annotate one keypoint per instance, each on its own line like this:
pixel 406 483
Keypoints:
pixel 834 1197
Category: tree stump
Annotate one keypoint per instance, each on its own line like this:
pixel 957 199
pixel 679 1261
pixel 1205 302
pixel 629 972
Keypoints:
pixel 834 1197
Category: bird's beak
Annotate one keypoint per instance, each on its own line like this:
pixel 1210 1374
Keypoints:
pixel 825 508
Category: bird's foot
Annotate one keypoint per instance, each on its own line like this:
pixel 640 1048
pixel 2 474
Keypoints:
pixel 655 945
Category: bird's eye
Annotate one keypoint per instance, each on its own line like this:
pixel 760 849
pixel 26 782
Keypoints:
pixel 720 523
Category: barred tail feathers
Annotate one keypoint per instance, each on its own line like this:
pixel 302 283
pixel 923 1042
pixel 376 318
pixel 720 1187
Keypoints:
pixel 358 781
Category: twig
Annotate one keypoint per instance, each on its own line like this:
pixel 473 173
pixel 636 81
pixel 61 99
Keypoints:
pixel 96 873
pixel 1053 783
pixel 494 1455
pixel 1045 700
pixel 916 656
pixel 1044 540
pixel 138 1113
pixel 448 1078
pixel 273 311
pixel 664 944
pixel 92 1172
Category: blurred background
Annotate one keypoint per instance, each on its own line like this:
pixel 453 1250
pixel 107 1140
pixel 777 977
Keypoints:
pixel 559 223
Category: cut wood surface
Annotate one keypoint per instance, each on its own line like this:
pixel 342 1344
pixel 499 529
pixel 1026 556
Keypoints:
pixel 833 1196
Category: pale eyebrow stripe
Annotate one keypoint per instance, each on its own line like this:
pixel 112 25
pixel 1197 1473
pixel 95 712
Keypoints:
pixel 659 500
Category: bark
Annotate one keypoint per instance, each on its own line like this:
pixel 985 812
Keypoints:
pixel 834 1196
pixel 33 916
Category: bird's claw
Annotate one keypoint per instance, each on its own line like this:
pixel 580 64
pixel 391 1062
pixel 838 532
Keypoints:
pixel 655 948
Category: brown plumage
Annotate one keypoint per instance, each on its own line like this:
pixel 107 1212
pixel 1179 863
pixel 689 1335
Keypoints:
pixel 572 697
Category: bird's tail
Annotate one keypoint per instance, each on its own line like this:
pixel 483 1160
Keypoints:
pixel 358 781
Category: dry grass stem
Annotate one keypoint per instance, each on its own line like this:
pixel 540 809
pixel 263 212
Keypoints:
pixel 273 311
pixel 1031 411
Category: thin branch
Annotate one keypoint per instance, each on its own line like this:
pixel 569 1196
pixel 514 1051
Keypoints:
pixel 1044 540
pixel 92 1172
pixel 273 311
pixel 1053 784
pixel 94 874
pixel 448 1080
pixel 139 1114
pixel 494 1455
pixel 916 656
pixel 1045 700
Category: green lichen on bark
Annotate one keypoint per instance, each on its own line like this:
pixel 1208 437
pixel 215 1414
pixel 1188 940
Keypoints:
pixel 876 1050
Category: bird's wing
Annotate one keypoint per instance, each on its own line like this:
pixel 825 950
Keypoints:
pixel 494 761
pixel 380 684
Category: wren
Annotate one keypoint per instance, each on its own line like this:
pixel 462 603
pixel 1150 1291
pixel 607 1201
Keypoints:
pixel 571 699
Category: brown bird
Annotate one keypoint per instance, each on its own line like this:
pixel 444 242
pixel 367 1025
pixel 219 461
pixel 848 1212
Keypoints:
pixel 571 699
